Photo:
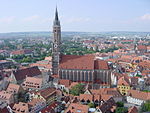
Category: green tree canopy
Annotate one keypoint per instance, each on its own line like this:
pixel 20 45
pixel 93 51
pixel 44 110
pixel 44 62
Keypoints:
pixel 146 106
pixel 77 89
pixel 121 110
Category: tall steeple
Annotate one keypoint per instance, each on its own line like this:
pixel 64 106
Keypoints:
pixel 56 15
pixel 56 21
pixel 56 44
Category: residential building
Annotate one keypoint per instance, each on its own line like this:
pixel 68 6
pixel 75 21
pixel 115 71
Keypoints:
pixel 21 108
pixel 37 105
pixel 123 85
pixel 107 107
pixel 5 99
pixel 25 52
pixel 19 75
pixel 32 83
pixel 48 94
pixel 137 97
pixel 77 108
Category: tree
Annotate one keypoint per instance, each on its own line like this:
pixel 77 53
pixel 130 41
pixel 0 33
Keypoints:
pixel 146 106
pixel 77 89
pixel 120 104
pixel 121 110
pixel 91 105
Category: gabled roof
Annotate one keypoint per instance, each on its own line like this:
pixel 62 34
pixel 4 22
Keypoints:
pixel 77 108
pixel 108 106
pixel 86 62
pixel 139 94
pixel 30 72
pixel 20 52
pixel 45 93
pixel 101 64
pixel 65 82
pixel 77 62
pixel 124 81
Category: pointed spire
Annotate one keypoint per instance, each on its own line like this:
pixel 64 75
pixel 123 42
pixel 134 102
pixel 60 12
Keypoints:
pixel 56 21
pixel 56 14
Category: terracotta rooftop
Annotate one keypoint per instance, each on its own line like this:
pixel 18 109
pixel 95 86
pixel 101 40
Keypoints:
pixel 106 91
pixel 50 108
pixel 142 47
pixel 77 108
pixel 20 52
pixel 35 101
pixel 82 62
pixel 123 81
pixel 77 62
pixel 139 94
pixel 65 82
pixel 45 93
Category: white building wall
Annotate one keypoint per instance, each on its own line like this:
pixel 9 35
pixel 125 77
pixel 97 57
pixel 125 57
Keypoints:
pixel 134 100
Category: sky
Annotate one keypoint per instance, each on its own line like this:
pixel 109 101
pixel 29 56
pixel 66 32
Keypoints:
pixel 75 15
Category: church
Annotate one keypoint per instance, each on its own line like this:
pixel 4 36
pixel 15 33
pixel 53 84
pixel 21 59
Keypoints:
pixel 77 68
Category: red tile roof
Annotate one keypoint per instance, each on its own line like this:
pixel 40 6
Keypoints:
pixel 139 94
pixel 123 81
pixel 76 108
pixel 82 62
pixel 45 93
pixel 142 47
pixel 30 72
pixel 65 82
pixel 77 62
pixel 50 108
pixel 21 52
pixel 101 64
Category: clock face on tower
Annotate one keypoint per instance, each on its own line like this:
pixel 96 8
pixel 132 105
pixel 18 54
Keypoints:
pixel 55 45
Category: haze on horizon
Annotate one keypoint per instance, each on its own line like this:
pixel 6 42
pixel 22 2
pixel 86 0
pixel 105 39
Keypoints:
pixel 75 15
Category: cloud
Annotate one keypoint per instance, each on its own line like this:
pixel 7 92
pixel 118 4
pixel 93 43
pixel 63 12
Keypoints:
pixel 145 17
pixel 7 20
pixel 31 18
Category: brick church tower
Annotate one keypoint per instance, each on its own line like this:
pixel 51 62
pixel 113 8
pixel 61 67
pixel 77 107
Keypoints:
pixel 56 51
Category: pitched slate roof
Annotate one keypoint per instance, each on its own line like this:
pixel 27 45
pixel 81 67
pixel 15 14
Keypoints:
pixel 30 72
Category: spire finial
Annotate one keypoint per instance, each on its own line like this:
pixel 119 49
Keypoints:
pixel 56 14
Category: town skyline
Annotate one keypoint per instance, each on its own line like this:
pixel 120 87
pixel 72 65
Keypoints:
pixel 97 16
